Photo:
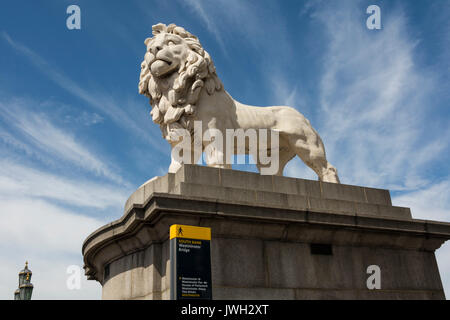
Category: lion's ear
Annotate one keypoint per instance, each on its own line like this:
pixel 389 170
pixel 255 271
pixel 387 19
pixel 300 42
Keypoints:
pixel 171 27
pixel 158 28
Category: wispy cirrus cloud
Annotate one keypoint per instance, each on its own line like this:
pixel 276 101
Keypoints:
pixel 222 16
pixel 100 101
pixel 16 178
pixel 378 125
pixel 40 133
pixel 199 9
pixel 242 23
pixel 372 86
pixel 86 119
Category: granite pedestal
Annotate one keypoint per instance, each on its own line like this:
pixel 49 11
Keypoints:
pixel 272 238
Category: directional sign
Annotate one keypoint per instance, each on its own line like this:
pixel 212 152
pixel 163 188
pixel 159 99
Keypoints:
pixel 190 262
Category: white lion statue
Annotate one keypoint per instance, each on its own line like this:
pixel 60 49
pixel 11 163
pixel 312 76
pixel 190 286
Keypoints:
pixel 180 79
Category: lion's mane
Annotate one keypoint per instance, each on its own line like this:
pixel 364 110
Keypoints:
pixel 173 103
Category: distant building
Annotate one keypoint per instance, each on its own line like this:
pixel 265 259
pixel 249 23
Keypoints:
pixel 25 286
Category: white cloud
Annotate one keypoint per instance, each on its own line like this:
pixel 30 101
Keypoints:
pixel 20 179
pixel 18 145
pixel 50 238
pixel 87 119
pixel 431 203
pixel 36 225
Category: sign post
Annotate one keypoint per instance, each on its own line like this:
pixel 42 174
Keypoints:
pixel 190 262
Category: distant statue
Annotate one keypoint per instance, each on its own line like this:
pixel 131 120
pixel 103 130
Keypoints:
pixel 180 79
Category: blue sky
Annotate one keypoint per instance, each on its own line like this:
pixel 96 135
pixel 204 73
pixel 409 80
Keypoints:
pixel 76 138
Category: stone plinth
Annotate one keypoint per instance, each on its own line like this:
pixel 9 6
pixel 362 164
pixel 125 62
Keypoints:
pixel 265 231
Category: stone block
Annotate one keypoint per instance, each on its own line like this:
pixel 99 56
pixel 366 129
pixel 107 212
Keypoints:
pixel 367 209
pixel 245 180
pixel 309 188
pixel 199 175
pixel 233 258
pixel 378 196
pixel 285 185
pixel 293 266
pixel 271 198
pixel 249 230
pixel 343 192
pixel 214 192
pixel 328 205
pixel 297 202
pixel 394 212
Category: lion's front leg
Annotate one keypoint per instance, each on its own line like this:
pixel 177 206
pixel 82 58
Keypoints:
pixel 214 146
pixel 215 157
pixel 184 154
pixel 174 166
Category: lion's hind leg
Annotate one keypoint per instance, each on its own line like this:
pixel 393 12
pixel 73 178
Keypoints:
pixel 312 152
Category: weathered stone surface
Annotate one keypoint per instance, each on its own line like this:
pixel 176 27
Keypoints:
pixel 248 187
pixel 343 192
pixel 244 256
pixel 261 239
pixel 378 196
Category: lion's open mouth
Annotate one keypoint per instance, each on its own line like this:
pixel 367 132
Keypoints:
pixel 161 67
pixel 164 60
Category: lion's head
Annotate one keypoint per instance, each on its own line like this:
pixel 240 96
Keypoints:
pixel 174 71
